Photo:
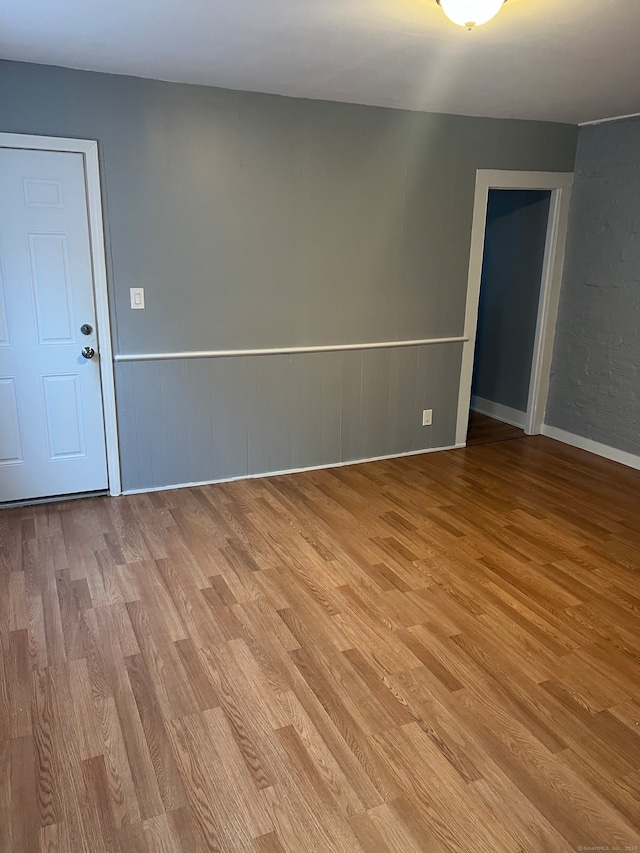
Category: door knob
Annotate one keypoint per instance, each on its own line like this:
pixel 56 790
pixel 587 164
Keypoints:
pixel 88 352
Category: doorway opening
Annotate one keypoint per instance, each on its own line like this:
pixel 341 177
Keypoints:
pixel 513 257
pixel 515 271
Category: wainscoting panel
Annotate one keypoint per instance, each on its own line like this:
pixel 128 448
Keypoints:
pixel 201 419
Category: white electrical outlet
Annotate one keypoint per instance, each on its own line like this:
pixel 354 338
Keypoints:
pixel 137 297
pixel 427 417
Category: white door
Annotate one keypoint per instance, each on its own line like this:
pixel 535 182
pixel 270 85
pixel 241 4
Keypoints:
pixel 52 438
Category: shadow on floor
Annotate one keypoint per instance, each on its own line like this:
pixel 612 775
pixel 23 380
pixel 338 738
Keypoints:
pixel 486 430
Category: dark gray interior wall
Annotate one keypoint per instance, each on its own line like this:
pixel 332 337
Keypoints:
pixel 595 380
pixel 514 244
pixel 261 221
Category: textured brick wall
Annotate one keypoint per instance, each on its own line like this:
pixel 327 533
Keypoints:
pixel 595 381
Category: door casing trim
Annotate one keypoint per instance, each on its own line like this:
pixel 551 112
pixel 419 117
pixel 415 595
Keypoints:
pixel 89 150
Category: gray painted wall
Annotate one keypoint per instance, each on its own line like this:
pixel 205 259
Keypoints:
pixel 514 244
pixel 595 382
pixel 260 221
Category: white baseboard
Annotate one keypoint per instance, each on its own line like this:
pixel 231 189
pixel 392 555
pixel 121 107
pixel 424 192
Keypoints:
pixel 506 414
pixel 290 470
pixel 588 444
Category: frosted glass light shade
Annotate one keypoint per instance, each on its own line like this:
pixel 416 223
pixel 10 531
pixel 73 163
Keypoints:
pixel 471 13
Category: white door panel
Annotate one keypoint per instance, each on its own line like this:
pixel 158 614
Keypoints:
pixel 10 438
pixel 4 330
pixel 51 417
pixel 50 279
pixel 63 415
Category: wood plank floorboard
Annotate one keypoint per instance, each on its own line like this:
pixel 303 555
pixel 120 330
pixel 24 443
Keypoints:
pixel 486 430
pixel 436 653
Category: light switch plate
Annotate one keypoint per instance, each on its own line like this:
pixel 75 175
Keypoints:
pixel 137 297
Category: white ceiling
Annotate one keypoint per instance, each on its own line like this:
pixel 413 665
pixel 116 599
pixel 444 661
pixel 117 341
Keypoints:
pixel 560 60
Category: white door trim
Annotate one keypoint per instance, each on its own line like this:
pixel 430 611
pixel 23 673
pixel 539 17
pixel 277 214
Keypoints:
pixel 89 150
pixel 559 183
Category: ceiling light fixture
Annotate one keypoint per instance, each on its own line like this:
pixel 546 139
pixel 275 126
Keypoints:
pixel 471 13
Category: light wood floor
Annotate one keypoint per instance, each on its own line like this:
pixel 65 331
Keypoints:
pixel 486 430
pixel 436 653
